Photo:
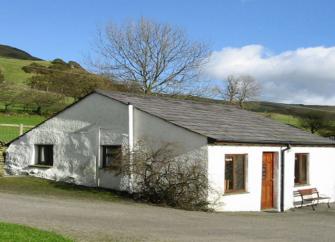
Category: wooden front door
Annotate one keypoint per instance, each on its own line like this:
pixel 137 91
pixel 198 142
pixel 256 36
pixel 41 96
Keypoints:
pixel 267 180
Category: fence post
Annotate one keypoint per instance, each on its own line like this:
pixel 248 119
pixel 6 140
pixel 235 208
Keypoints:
pixel 21 129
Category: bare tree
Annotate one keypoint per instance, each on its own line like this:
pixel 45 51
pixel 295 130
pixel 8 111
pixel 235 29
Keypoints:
pixel 232 89
pixel 157 56
pixel 239 89
pixel 248 88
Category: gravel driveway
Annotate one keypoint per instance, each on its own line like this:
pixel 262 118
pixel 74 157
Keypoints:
pixel 112 221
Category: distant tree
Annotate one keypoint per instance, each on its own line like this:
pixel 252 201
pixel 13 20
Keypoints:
pixel 40 82
pixel 36 68
pixel 2 77
pixel 248 89
pixel 8 95
pixel 159 57
pixel 231 91
pixel 239 89
pixel 314 121
pixel 41 102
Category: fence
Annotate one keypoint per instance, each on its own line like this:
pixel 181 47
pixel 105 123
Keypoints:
pixel 9 132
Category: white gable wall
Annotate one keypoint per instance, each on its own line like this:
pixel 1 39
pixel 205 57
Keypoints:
pixel 74 134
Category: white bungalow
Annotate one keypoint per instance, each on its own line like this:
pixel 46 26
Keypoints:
pixel 255 163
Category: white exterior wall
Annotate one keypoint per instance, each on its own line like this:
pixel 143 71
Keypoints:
pixel 74 134
pixel 158 132
pixel 320 169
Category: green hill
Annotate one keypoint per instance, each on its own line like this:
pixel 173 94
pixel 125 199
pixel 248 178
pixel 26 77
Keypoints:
pixel 12 52
pixel 12 69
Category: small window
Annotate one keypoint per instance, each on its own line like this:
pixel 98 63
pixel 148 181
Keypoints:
pixel 235 173
pixel 111 156
pixel 44 155
pixel 300 169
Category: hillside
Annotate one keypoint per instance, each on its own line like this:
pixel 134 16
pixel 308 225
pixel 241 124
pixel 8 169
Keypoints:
pixel 12 52
pixel 291 109
pixel 12 69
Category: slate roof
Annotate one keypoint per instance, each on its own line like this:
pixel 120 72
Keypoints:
pixel 218 122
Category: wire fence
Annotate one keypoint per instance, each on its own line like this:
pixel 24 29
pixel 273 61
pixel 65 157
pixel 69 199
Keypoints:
pixel 9 132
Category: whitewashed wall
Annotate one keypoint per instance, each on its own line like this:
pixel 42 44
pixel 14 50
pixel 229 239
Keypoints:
pixel 321 167
pixel 74 134
pixel 321 175
pixel 158 132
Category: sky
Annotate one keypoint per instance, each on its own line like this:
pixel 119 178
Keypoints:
pixel 288 46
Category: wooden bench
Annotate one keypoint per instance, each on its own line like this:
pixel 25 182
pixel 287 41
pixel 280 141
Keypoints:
pixel 309 197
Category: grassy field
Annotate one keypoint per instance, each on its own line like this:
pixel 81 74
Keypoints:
pixel 284 118
pixel 20 233
pixel 9 133
pixel 21 119
pixel 42 187
pixel 12 69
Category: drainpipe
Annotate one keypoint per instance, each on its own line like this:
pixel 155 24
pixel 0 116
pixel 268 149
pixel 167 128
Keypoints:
pixel 282 177
pixel 97 165
pixel 131 141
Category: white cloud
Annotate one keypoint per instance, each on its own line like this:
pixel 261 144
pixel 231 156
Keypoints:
pixel 305 75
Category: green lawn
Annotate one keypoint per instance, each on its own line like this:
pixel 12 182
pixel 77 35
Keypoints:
pixel 9 133
pixel 42 187
pixel 12 69
pixel 20 233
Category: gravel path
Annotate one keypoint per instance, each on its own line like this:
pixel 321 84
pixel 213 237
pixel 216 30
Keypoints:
pixel 112 221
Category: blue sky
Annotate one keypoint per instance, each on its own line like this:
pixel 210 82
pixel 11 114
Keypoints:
pixel 66 29
pixel 291 38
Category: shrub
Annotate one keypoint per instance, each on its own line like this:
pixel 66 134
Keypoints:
pixel 159 176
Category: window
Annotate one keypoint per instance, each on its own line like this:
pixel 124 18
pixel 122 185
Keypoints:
pixel 111 156
pixel 300 169
pixel 235 173
pixel 44 155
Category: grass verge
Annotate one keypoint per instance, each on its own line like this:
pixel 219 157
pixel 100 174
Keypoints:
pixel 20 233
pixel 42 187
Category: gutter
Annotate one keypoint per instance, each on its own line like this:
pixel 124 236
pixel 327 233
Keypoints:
pixel 282 176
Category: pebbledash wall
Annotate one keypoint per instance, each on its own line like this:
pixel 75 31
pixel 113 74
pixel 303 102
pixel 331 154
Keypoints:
pixel 75 136
pixel 321 164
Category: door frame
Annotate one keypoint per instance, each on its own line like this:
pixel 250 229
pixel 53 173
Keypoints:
pixel 274 182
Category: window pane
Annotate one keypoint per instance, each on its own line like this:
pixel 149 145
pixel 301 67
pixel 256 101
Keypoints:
pixel 45 155
pixel 296 169
pixel 300 169
pixel 239 171
pixel 229 174
pixel 42 154
pixel 111 156
pixel 303 168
